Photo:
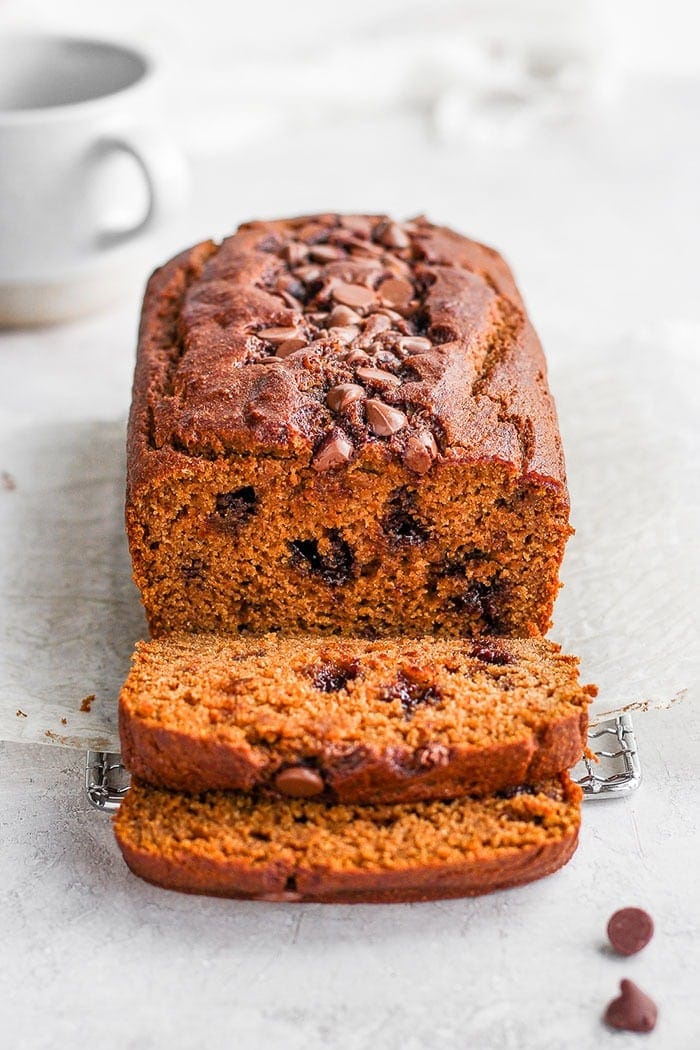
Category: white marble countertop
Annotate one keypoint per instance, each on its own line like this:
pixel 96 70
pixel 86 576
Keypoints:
pixel 600 220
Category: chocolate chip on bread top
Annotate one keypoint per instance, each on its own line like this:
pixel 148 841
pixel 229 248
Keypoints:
pixel 342 423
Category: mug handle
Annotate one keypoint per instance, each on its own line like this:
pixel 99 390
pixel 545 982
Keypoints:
pixel 164 173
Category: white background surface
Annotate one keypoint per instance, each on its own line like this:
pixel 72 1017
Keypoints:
pixel 599 216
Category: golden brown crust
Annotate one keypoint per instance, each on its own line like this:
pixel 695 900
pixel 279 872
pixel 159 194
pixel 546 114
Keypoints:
pixel 390 721
pixel 223 845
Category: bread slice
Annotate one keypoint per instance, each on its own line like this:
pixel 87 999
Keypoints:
pixel 231 845
pixel 354 721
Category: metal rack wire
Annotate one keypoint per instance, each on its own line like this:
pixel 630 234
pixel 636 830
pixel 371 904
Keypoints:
pixel 613 772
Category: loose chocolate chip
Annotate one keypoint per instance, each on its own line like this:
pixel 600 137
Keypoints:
pixel 411 692
pixel 415 344
pixel 335 451
pixel 632 1011
pixel 402 523
pixel 236 507
pixel 384 420
pixel 396 292
pixel 421 449
pixel 339 398
pixel 391 235
pixel 331 676
pixel 357 224
pixel 489 653
pixel 334 566
pixel 630 930
pixel 299 782
pixel 377 376
pixel 278 335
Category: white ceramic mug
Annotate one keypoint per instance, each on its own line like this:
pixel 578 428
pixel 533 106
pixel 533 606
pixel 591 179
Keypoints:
pixel 86 174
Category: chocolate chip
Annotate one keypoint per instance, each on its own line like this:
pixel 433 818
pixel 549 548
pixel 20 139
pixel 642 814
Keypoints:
pixel 384 420
pixel 236 507
pixel 353 295
pixel 278 335
pixel 478 599
pixel 402 522
pixel 357 224
pixel 415 344
pixel 299 782
pixel 342 315
pixel 489 653
pixel 335 451
pixel 308 274
pixel 391 235
pixel 375 325
pixel 340 397
pixel 630 930
pixel 344 333
pixel 396 292
pixel 442 333
pixel 421 449
pixel 632 1011
pixel 326 253
pixel 295 253
pixel 377 376
pixel 334 566
pixel 357 357
pixel 290 346
pixel 411 692
pixel 331 676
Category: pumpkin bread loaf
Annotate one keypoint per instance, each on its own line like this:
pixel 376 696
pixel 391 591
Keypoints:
pixel 342 424
pixel 236 845
pixel 354 721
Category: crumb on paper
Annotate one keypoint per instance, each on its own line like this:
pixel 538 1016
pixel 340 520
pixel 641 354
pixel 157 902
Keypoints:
pixel 55 736
pixel 7 482
pixel 64 721
pixel 87 702
pixel 20 713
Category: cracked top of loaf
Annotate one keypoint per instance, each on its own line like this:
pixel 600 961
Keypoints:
pixel 333 337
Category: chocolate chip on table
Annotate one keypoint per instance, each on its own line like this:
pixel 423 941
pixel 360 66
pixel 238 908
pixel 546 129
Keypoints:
pixel 421 449
pixel 630 930
pixel 335 451
pixel 354 295
pixel 384 420
pixel 299 782
pixel 377 376
pixel 340 397
pixel 632 1011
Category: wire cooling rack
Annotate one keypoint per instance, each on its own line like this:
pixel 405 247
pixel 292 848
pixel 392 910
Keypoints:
pixel 613 772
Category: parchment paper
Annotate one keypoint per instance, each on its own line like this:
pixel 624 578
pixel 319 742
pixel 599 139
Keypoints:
pixel 629 415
